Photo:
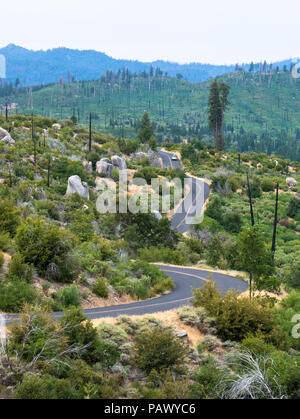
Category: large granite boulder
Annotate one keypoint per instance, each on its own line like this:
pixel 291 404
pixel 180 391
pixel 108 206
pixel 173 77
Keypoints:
pixel 291 182
pixel 119 163
pixel 5 137
pixel 75 185
pixel 104 167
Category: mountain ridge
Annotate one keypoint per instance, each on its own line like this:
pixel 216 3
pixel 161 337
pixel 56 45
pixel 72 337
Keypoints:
pixel 47 66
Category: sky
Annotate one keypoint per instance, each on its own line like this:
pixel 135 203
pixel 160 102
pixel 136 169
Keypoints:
pixel 206 31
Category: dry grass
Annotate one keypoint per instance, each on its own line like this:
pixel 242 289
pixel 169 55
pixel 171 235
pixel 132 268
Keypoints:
pixel 168 317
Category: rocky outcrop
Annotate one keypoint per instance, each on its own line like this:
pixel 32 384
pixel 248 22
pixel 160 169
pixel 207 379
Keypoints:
pixel 291 181
pixel 104 167
pixel 75 185
pixel 5 137
pixel 119 163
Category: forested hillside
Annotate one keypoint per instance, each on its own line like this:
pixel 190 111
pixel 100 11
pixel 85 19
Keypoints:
pixel 263 116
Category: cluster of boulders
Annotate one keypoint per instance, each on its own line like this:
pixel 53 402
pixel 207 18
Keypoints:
pixel 5 137
pixel 106 166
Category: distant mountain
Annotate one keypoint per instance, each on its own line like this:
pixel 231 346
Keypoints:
pixel 42 67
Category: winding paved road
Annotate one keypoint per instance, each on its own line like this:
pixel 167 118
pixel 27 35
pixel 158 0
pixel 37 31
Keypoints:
pixel 185 279
pixel 198 194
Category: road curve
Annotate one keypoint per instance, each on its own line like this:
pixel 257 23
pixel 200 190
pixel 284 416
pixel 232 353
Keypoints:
pixel 195 198
pixel 185 279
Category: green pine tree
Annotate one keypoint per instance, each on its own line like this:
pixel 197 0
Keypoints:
pixel 146 130
pixel 214 110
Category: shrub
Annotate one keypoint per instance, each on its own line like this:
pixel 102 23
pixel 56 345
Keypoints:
pixel 207 379
pixel 13 295
pixel 158 349
pixel 9 216
pixel 294 207
pixel 67 296
pixel 257 345
pixel 112 333
pixel 267 185
pixel 5 241
pixel 232 221
pixel 236 317
pixel 46 387
pixel 162 254
pixel 196 317
pixel 52 253
pixel 20 270
pixel 166 284
pixel 81 225
pixel 100 288
pixel 80 330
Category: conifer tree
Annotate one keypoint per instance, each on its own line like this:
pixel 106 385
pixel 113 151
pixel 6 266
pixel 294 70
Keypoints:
pixel 214 110
pixel 224 92
pixel 146 130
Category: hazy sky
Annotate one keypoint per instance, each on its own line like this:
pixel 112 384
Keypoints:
pixel 215 31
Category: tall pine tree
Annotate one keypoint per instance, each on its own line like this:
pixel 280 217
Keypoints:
pixel 214 110
pixel 217 105
pixel 146 130
pixel 224 92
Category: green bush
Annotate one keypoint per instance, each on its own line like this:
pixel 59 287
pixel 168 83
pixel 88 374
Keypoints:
pixel 236 317
pixel 46 387
pixel 267 185
pixel 162 254
pixel 9 216
pixel 20 270
pixel 13 295
pixel 51 256
pixel 5 241
pixel 100 288
pixel 68 296
pixel 158 349
pixel 80 330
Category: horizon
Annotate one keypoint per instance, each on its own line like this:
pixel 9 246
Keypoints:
pixel 146 62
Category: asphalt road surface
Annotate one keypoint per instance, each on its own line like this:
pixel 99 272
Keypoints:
pixel 194 200
pixel 185 279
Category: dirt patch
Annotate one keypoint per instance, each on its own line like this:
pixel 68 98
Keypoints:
pixel 289 191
